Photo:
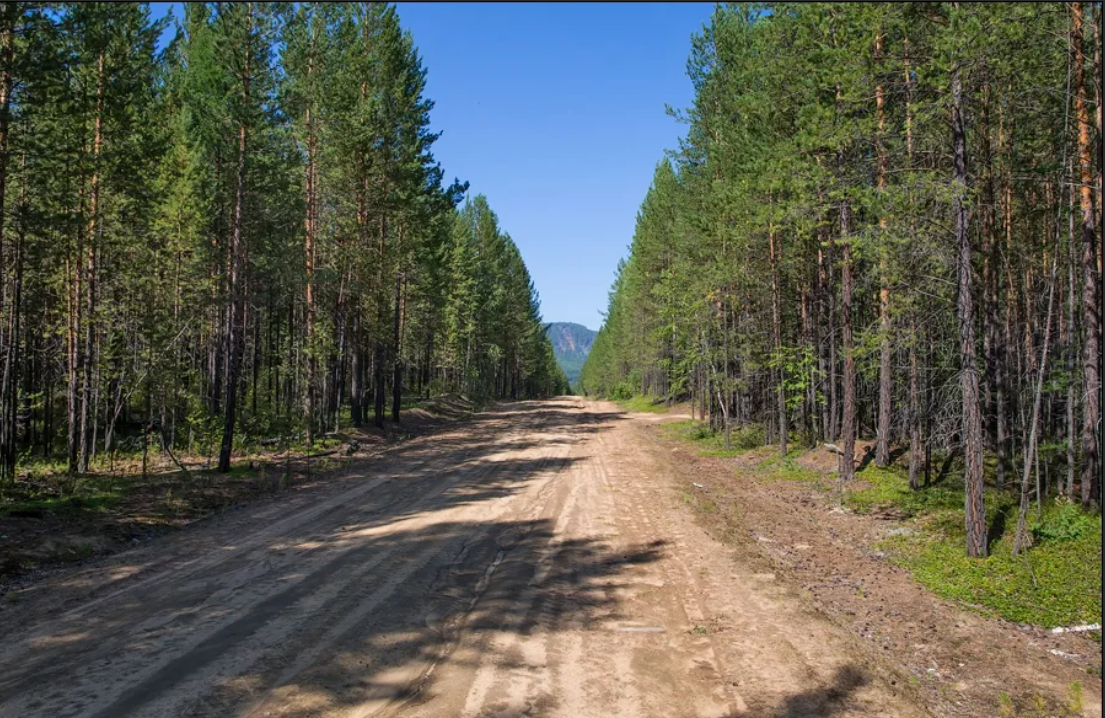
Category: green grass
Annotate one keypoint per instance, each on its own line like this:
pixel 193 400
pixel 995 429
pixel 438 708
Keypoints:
pixel 711 443
pixel 93 494
pixel 1052 584
pixel 644 403
pixel 1056 582
pixel 778 468
pixel 889 487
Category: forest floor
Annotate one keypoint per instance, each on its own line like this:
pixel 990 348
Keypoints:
pixel 960 659
pixel 49 521
pixel 534 561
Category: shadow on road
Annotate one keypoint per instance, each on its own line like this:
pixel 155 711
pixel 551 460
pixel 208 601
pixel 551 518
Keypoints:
pixel 352 606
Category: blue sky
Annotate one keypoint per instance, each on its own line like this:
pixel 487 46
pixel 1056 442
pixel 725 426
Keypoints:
pixel 556 113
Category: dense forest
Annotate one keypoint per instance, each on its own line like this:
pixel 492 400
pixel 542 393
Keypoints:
pixel 243 234
pixel 884 222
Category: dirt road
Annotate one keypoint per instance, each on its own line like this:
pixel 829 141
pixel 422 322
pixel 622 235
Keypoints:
pixel 536 561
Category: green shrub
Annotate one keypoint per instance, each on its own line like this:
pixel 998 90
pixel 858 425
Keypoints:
pixel 1067 523
pixel 749 436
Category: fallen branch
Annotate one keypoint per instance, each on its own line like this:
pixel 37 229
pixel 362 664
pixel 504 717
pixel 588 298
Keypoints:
pixel 165 447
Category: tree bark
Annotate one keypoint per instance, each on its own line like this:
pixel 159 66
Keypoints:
pixel 886 349
pixel 309 256
pixel 1091 377
pixel 9 343
pixel 236 268
pixel 397 334
pixel 777 335
pixel 972 420
pixel 848 425
pixel 1030 450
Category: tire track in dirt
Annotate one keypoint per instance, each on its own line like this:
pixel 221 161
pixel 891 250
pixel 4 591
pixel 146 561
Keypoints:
pixel 535 563
pixel 259 607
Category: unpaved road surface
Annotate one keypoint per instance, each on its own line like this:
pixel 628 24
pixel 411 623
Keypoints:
pixel 536 561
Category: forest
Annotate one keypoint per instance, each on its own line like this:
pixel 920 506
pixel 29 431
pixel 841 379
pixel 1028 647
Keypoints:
pixel 241 235
pixel 884 222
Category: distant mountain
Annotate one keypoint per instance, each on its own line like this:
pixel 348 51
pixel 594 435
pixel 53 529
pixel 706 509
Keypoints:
pixel 571 344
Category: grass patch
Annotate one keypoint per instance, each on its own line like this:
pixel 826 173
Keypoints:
pixel 1051 584
pixel 712 443
pixel 97 494
pixel 1056 582
pixel 777 468
pixel 641 403
pixel 889 487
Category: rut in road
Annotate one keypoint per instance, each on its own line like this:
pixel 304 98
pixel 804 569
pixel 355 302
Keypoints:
pixel 535 561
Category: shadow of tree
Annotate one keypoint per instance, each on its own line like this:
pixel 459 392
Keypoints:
pixel 356 607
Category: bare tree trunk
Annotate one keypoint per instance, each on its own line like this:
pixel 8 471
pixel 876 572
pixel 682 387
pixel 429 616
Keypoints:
pixel 991 343
pixel 777 333
pixel 397 333
pixel 1030 450
pixel 915 447
pixel 73 328
pixel 1091 378
pixel 823 363
pixel 378 359
pixel 848 428
pixel 87 355
pixel 309 253
pixel 1095 19
pixel 1072 346
pixel 10 343
pixel 236 265
pixel 886 349
pixel 972 421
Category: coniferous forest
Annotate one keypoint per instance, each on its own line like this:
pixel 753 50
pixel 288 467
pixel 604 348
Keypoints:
pixel 884 223
pixel 242 235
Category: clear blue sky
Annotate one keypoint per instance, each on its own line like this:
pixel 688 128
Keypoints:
pixel 556 113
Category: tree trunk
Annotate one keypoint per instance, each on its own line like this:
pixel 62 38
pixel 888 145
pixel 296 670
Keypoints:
pixel 777 334
pixel 397 335
pixel 309 254
pixel 236 267
pixel 1091 378
pixel 378 360
pixel 8 344
pixel 1030 450
pixel 87 355
pixel 848 425
pixel 972 421
pixel 886 349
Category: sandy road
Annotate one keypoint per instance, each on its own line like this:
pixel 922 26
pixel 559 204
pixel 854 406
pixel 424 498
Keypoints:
pixel 534 562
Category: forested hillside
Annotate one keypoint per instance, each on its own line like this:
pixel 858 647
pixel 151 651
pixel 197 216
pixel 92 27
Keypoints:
pixel 884 222
pixel 243 236
pixel 571 344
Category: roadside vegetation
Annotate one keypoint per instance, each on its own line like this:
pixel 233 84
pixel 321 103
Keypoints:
pixel 1056 582
pixel 239 244
pixel 881 235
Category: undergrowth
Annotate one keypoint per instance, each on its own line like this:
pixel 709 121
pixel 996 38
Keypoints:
pixel 642 403
pixel 712 443
pixel 1055 582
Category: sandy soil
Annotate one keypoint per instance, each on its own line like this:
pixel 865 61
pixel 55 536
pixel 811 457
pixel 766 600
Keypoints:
pixel 535 562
